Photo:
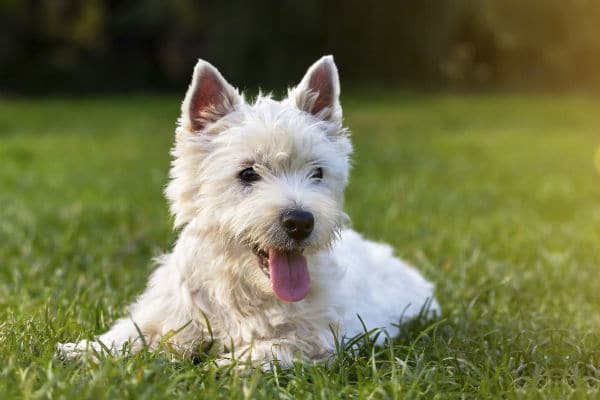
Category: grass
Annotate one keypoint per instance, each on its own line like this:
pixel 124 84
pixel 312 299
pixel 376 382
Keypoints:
pixel 495 198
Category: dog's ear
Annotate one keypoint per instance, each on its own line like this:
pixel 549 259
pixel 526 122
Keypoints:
pixel 208 98
pixel 319 91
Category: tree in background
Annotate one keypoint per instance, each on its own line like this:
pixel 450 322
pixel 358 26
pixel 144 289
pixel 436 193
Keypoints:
pixel 62 45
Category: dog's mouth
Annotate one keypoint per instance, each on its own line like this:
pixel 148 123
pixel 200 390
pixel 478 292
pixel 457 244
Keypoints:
pixel 287 270
pixel 263 260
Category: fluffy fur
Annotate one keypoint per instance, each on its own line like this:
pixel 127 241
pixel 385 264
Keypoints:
pixel 212 274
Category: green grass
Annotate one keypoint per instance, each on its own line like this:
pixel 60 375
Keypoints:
pixel 495 198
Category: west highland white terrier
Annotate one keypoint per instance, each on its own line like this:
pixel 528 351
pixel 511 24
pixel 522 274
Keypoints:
pixel 264 266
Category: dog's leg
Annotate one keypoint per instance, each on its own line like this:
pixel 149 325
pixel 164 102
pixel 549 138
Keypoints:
pixel 122 338
pixel 160 312
pixel 263 354
pixel 127 336
pixel 257 355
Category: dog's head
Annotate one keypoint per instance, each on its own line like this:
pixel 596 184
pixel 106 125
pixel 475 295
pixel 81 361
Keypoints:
pixel 267 177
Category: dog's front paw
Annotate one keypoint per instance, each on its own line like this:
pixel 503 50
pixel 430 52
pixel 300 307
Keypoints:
pixel 83 348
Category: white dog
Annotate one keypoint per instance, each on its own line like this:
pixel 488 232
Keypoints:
pixel 263 265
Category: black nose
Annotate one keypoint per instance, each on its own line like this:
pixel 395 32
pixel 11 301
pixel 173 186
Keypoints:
pixel 298 224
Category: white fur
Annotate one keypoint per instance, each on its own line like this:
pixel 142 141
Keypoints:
pixel 209 287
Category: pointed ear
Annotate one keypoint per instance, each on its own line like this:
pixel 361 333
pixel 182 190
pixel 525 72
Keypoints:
pixel 319 91
pixel 208 99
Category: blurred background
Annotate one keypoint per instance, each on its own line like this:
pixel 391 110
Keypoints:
pixel 61 46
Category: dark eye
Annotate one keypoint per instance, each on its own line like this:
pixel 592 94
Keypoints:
pixel 317 173
pixel 249 175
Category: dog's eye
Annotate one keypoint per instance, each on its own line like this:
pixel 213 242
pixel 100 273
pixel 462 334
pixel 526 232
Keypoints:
pixel 249 175
pixel 317 173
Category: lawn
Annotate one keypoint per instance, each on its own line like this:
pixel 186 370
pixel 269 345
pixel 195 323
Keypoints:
pixel 495 198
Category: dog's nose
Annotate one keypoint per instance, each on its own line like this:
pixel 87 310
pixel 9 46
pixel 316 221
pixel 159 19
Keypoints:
pixel 298 224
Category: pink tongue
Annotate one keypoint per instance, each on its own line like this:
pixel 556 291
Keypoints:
pixel 289 275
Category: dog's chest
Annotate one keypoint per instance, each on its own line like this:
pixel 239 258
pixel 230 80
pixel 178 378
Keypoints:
pixel 266 320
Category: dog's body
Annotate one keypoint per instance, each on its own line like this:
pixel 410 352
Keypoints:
pixel 263 264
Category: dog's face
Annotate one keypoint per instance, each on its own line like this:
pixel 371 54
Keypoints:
pixel 266 178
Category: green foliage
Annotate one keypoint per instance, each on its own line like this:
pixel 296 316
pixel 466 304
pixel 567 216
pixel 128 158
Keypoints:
pixel 546 42
pixel 59 46
pixel 493 198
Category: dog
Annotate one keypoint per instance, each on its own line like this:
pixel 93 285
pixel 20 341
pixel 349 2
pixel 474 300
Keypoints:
pixel 265 266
